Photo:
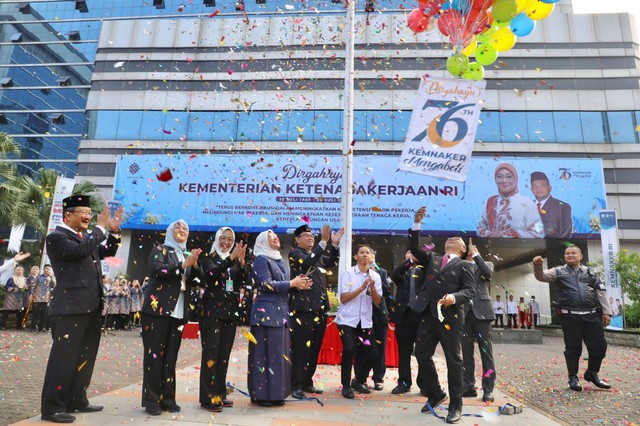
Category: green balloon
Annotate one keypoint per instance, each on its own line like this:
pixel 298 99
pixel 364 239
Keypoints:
pixel 504 10
pixel 475 72
pixel 457 64
pixel 486 54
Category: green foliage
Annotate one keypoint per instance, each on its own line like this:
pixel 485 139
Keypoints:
pixel 632 315
pixel 627 264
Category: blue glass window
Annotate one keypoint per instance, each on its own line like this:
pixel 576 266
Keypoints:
pixel 328 126
pixel 592 127
pixel 379 126
pixel 200 126
pixel 621 127
pixel 301 124
pixel 129 125
pixel 568 127
pixel 513 127
pixel 152 125
pixel 225 126
pixel 250 126
pixel 400 125
pixel 175 126
pixel 360 125
pixel 276 126
pixel 489 127
pixel 540 125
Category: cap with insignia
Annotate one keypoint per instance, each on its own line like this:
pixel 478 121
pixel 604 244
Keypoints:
pixel 301 230
pixel 76 201
pixel 539 176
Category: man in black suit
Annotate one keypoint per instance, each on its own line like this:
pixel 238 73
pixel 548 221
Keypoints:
pixel 308 320
pixel 478 315
pixel 449 284
pixel 555 214
pixel 76 305
pixel 405 313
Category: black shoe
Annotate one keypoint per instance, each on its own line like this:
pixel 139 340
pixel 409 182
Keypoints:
pixel 424 393
pixel 455 414
pixel 278 403
pixel 347 392
pixel 172 408
pixel 227 403
pixel 154 410
pixel 434 402
pixel 574 384
pixel 378 386
pixel 215 408
pixel 58 418
pixel 400 389
pixel 298 394
pixel 471 393
pixel 487 396
pixel 592 377
pixel 261 403
pixel 359 387
pixel 312 389
pixel 88 409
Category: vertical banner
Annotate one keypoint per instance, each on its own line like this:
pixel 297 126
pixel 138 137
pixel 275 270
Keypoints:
pixel 64 188
pixel 442 129
pixel 609 237
pixel 15 239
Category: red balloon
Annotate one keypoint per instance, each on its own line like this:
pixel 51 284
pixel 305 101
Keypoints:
pixel 481 4
pixel 430 7
pixel 450 22
pixel 418 21
pixel 477 21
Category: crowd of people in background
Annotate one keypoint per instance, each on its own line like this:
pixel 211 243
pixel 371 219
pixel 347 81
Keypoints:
pixel 520 314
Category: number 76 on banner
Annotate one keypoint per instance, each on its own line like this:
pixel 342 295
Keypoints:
pixel 435 129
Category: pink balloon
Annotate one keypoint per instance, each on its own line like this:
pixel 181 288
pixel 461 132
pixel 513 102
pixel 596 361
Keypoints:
pixel 418 21
pixel 450 22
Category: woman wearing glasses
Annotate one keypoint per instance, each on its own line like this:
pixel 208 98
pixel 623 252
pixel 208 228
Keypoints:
pixel 223 275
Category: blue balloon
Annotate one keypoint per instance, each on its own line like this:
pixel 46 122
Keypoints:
pixel 522 25
pixel 445 6
pixel 464 6
pixel 549 1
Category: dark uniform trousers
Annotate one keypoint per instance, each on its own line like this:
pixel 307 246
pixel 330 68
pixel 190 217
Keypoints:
pixel 306 327
pixel 73 354
pixel 38 315
pixel 380 334
pixel 577 328
pixel 163 336
pixel 363 339
pixel 480 331
pixel 217 336
pixel 406 334
pixel 430 333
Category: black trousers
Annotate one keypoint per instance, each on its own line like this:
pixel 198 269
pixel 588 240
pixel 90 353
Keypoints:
pixel 587 328
pixel 161 338
pixel 478 331
pixel 430 333
pixel 73 355
pixel 351 338
pixel 5 315
pixel 500 318
pixel 512 320
pixel 380 332
pixel 406 334
pixel 307 333
pixel 216 338
pixel 38 315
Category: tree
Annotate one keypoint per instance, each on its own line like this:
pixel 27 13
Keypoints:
pixel 627 264
pixel 8 190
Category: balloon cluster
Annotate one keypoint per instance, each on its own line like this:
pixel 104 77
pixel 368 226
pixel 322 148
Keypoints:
pixel 478 28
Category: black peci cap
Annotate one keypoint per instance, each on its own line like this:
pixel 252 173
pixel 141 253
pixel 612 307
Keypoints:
pixel 76 201
pixel 539 176
pixel 301 230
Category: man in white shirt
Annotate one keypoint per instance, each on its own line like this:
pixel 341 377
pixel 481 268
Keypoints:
pixel 498 310
pixel 358 289
pixel 512 312
pixel 534 308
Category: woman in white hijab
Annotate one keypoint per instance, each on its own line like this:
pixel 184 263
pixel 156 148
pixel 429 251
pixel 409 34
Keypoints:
pixel 164 313
pixel 269 380
pixel 222 274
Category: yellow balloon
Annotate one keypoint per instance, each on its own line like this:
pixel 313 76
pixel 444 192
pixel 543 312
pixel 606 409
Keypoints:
pixel 503 39
pixel 523 4
pixel 539 10
pixel 470 48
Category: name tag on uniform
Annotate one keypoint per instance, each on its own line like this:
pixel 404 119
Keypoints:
pixel 229 285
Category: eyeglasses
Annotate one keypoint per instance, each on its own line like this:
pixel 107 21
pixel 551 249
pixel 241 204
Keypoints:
pixel 306 235
pixel 83 212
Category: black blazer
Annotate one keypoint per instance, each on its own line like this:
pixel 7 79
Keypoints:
pixel 481 304
pixel 300 261
pixel 216 301
pixel 76 264
pixel 163 290
pixel 380 313
pixel 401 276
pixel 556 218
pixel 455 278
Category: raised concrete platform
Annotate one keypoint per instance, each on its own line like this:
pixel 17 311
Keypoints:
pixel 508 335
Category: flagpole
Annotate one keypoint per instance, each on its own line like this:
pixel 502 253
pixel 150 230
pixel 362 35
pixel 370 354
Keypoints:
pixel 346 205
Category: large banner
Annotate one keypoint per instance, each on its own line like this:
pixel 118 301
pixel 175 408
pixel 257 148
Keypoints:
pixel 609 234
pixel 442 129
pixel 253 193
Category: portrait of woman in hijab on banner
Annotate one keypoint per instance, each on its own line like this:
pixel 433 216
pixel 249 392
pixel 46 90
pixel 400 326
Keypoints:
pixel 509 214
